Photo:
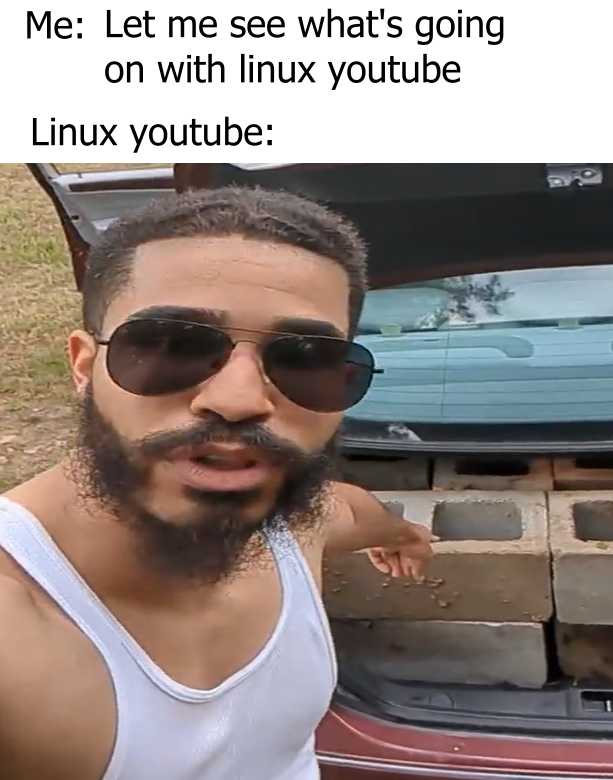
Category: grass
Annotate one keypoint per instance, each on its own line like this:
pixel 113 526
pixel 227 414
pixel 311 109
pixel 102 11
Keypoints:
pixel 40 306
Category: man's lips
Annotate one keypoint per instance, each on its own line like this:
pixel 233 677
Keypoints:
pixel 221 467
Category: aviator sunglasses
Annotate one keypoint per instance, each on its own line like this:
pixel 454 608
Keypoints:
pixel 156 356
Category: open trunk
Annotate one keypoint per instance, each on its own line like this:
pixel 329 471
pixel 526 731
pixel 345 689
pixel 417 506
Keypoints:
pixel 491 312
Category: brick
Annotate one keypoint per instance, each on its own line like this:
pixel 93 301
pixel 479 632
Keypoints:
pixel 411 473
pixel 445 651
pixel 581 537
pixel 585 473
pixel 493 473
pixel 585 653
pixel 492 564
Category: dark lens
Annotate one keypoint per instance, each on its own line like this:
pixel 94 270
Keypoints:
pixel 157 357
pixel 317 373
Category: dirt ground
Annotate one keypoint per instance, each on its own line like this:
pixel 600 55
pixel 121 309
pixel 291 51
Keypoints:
pixel 40 306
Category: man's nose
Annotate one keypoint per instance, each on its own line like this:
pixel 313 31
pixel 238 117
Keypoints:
pixel 239 391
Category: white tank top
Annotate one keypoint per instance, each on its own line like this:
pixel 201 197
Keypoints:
pixel 256 725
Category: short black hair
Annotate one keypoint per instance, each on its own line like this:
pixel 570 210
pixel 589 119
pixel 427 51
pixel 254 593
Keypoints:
pixel 251 212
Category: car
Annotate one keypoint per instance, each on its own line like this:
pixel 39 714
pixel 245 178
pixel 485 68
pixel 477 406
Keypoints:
pixel 491 312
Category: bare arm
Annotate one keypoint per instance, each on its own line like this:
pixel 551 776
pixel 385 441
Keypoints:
pixel 44 733
pixel 20 639
pixel 358 521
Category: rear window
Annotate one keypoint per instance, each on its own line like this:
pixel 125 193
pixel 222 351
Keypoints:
pixel 517 356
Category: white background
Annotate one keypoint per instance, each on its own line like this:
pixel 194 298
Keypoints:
pixel 544 95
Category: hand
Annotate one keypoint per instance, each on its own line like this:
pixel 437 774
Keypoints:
pixel 408 559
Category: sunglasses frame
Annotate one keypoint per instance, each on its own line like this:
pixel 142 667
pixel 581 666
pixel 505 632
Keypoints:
pixel 277 336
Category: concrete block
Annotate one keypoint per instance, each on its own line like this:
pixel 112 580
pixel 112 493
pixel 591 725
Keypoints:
pixel 445 651
pixel 410 473
pixel 493 473
pixel 581 537
pixel 583 473
pixel 492 564
pixel 585 653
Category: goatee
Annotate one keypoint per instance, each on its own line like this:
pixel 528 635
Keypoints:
pixel 216 541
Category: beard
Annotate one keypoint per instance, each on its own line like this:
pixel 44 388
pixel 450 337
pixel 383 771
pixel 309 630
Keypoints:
pixel 215 540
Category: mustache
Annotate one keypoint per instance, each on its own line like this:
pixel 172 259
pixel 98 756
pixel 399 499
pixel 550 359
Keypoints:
pixel 210 431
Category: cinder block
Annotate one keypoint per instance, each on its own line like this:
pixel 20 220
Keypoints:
pixel 584 473
pixel 492 564
pixel 445 651
pixel 586 652
pixel 411 473
pixel 493 473
pixel 581 535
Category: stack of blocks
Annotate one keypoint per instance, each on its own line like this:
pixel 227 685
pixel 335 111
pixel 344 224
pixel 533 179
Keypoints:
pixel 582 549
pixel 493 473
pixel 409 473
pixel 477 618
pixel 506 524
pixel 583 473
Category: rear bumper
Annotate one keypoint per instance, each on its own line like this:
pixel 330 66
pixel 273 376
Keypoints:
pixel 335 768
pixel 352 745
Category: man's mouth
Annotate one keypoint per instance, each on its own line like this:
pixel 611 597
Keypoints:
pixel 221 467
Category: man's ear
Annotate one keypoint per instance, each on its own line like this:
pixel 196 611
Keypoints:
pixel 82 350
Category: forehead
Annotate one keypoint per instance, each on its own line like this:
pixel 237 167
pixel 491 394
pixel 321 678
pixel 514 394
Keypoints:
pixel 254 281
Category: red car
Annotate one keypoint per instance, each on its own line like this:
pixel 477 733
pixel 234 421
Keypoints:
pixel 491 311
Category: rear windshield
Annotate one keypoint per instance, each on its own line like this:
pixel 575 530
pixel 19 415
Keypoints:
pixel 517 356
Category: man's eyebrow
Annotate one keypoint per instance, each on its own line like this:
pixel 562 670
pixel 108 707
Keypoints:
pixel 299 325
pixel 182 313
pixel 307 327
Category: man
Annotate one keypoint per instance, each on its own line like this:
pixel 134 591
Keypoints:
pixel 159 599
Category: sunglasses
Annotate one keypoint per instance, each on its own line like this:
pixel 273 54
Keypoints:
pixel 158 357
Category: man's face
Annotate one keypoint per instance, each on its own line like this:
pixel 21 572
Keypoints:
pixel 254 451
